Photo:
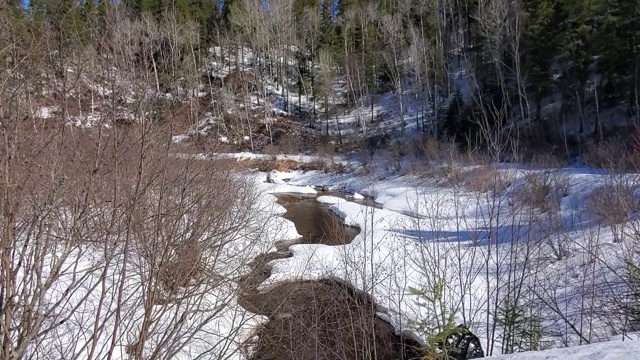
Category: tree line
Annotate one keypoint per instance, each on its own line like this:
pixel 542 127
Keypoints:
pixel 473 66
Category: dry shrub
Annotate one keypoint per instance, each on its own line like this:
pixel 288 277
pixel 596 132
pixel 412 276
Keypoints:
pixel 294 145
pixel 430 148
pixel 611 205
pixel 612 154
pixel 450 174
pixel 427 148
pixel 182 266
pixel 314 165
pixel 327 160
pixel 323 165
pixel 272 150
pixel 485 179
pixel 267 165
pixel 392 155
pixel 338 167
pixel 421 152
pixel 547 160
pixel 543 190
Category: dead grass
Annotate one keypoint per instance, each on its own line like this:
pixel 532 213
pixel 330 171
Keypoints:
pixel 485 179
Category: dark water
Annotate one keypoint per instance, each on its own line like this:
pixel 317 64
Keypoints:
pixel 314 221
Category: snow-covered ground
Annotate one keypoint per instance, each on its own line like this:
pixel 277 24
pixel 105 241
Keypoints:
pixel 609 350
pixel 439 253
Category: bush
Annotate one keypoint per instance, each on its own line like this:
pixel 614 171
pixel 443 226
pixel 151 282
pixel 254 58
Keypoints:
pixel 267 165
pixel 611 205
pixel 543 190
pixel 485 179
pixel 613 155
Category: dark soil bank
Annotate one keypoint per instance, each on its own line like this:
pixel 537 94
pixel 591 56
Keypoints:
pixel 320 319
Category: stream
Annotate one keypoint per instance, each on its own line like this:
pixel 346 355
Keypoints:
pixel 316 319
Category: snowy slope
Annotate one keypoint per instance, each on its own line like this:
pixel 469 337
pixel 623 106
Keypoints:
pixel 608 350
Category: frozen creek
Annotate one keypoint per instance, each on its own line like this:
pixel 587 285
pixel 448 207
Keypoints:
pixel 319 319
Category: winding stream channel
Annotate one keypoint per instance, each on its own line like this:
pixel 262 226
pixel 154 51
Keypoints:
pixel 316 319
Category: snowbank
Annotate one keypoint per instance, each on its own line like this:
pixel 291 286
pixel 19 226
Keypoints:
pixel 608 350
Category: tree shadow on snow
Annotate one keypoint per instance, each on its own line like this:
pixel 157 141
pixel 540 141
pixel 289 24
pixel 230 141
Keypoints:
pixel 483 236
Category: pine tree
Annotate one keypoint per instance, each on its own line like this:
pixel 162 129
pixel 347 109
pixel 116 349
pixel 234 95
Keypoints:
pixel 541 44
pixel 344 5
pixel 328 38
pixel 453 117
pixel 578 49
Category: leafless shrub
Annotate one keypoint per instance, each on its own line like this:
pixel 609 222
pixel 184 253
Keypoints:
pixel 611 155
pixel 450 173
pixel 328 161
pixel 270 164
pixel 485 179
pixel 543 190
pixel 429 148
pixel 338 167
pixel 611 205
pixel 272 150
pixel 392 155
pixel 420 153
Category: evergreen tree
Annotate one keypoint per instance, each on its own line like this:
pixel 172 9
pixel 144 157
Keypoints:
pixel 541 44
pixel 344 5
pixel 453 117
pixel 328 38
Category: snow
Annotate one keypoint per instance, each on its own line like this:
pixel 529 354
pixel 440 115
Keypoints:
pixel 46 112
pixel 608 350
pixel 332 200
pixel 358 196
pixel 284 188
pixel 179 138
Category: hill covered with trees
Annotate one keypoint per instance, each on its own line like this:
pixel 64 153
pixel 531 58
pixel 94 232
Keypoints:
pixel 562 73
